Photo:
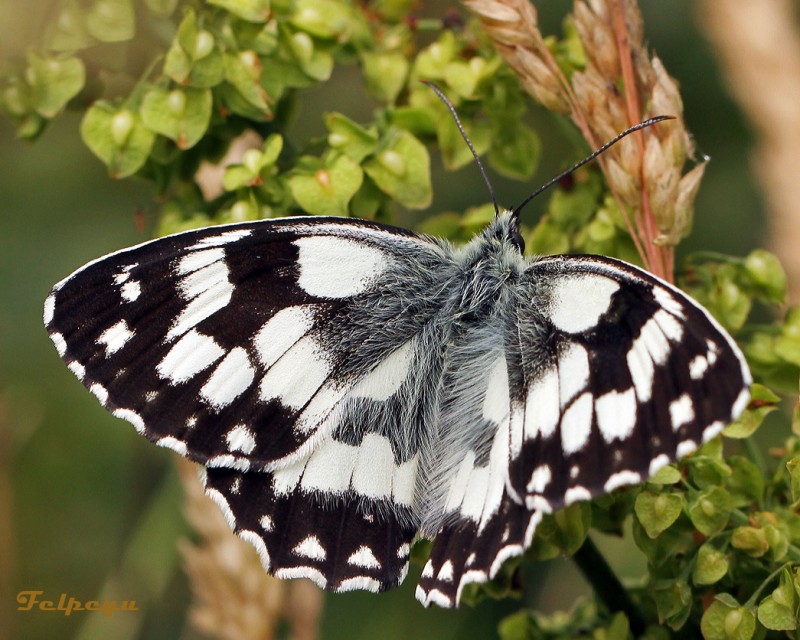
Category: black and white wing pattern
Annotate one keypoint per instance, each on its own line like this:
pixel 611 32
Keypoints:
pixel 350 386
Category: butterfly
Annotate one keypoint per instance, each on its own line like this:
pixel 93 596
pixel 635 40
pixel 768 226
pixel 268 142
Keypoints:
pixel 349 386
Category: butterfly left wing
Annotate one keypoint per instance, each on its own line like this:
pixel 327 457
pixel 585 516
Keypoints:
pixel 234 345
pixel 607 374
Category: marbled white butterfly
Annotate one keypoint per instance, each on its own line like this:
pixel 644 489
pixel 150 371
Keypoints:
pixel 350 385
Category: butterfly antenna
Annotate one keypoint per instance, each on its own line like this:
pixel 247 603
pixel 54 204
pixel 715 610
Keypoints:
pixel 642 125
pixel 449 105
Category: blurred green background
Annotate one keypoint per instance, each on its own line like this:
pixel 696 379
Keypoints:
pixel 87 507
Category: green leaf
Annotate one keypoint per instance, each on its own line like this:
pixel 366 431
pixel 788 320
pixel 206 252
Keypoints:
pixel 69 29
pixel 766 271
pixel 163 8
pixel 726 620
pixel 385 74
pixel 53 82
pixel 182 115
pixel 401 169
pixel 778 611
pixel 673 599
pixel 249 10
pixel 658 511
pixel 194 58
pixel 328 190
pixel 666 475
pixel 349 138
pixel 752 540
pixel 111 20
pixel 515 151
pixel 711 565
pixel 563 532
pixel 518 626
pixel 254 162
pixel 326 19
pixel 746 483
pixel 243 70
pixel 117 137
pixel 709 510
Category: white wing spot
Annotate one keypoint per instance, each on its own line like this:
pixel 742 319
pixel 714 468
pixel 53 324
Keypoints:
pixel 573 372
pixel 665 299
pixel 654 341
pixel 240 438
pixel 230 379
pixel 282 331
pixel 78 369
pixel 621 479
pixel 100 392
pixel 616 414
pixel 642 370
pixel 60 343
pixel 713 430
pixel 223 238
pixel 131 416
pixel 685 448
pixel 332 267
pixel 254 539
pixel 115 337
pixel 223 505
pixel 49 308
pixel 698 367
pixel 576 425
pixel 542 411
pixel 374 468
pixel 311 548
pixel 131 291
pixel 170 442
pixel 496 400
pixel 540 478
pixel 197 260
pixel 427 571
pixel 741 403
pixel 575 494
pixel 658 463
pixel 297 375
pixel 446 572
pixel 359 583
pixel 385 379
pixel 315 575
pixel 403 550
pixel 681 411
pixel 365 558
pixel 669 326
pixel 193 353
pixel 266 523
pixel 578 302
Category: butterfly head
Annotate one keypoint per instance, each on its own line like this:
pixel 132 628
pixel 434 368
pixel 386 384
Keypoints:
pixel 504 230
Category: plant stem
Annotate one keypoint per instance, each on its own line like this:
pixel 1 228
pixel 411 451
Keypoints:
pixel 606 585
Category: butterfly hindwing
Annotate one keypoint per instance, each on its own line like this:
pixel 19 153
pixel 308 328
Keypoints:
pixel 233 345
pixel 339 542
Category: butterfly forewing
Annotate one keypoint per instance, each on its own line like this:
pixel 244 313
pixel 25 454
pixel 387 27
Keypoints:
pixel 233 345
